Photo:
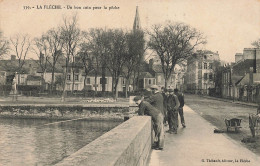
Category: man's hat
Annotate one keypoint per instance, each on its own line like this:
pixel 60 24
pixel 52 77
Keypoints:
pixel 154 87
pixel 137 98
pixel 170 90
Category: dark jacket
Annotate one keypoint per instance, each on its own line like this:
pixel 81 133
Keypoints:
pixel 146 108
pixel 165 97
pixel 172 102
pixel 181 99
pixel 156 100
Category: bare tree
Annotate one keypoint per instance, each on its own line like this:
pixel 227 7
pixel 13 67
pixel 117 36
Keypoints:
pixel 173 43
pixel 116 56
pixel 21 45
pixel 54 50
pixel 256 43
pixel 135 52
pixel 71 36
pixel 4 45
pixel 98 43
pixel 87 59
pixel 40 49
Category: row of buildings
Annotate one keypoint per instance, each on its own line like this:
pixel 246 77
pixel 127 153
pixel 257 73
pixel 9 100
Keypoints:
pixel 31 74
pixel 241 79
pixel 204 71
pixel 237 81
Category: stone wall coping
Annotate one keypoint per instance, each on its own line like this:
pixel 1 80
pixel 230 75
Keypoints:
pixel 106 149
pixel 68 105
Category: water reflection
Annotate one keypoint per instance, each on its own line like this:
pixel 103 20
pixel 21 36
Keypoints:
pixel 31 142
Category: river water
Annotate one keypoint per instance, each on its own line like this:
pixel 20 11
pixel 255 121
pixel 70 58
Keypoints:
pixel 34 142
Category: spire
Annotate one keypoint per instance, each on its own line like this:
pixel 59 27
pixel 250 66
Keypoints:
pixel 137 24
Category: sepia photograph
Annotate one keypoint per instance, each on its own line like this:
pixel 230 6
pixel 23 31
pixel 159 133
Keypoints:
pixel 129 83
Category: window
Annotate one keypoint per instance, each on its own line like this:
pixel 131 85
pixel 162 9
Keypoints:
pixel 76 87
pixel 150 81
pixel 205 76
pixel 200 65
pixel 68 86
pixel 145 81
pixel 22 79
pixel 68 77
pixel 88 80
pixel 101 81
pixel 210 76
pixel 205 66
pixel 76 77
pixel 205 86
pixel 123 81
pixel 210 65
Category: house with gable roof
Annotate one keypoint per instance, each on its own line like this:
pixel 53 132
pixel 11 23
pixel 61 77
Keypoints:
pixel 151 74
pixel 241 80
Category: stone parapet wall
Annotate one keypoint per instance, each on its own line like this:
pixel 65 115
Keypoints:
pixel 65 111
pixel 127 144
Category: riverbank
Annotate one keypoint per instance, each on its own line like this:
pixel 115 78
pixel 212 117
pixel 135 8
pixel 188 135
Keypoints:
pixel 67 111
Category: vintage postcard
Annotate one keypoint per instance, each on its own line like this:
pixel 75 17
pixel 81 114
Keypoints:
pixel 82 80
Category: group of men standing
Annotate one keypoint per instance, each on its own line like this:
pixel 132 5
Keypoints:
pixel 174 102
pixel 163 105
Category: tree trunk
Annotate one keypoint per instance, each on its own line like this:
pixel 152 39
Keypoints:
pixel 166 82
pixel 103 78
pixel 42 81
pixel 84 85
pixel 134 84
pixel 73 79
pixel 65 82
pixel 95 84
pixel 126 87
pixel 137 79
pixel 116 89
pixel 116 94
pixel 85 79
pixel 134 81
pixel 113 80
pixel 18 78
pixel 52 79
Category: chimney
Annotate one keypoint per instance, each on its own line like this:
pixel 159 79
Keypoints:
pixel 251 77
pixel 150 64
pixel 238 57
pixel 13 57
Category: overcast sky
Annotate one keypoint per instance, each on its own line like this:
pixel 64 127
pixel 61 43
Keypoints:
pixel 229 25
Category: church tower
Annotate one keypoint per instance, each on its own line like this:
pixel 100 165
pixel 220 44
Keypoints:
pixel 137 24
